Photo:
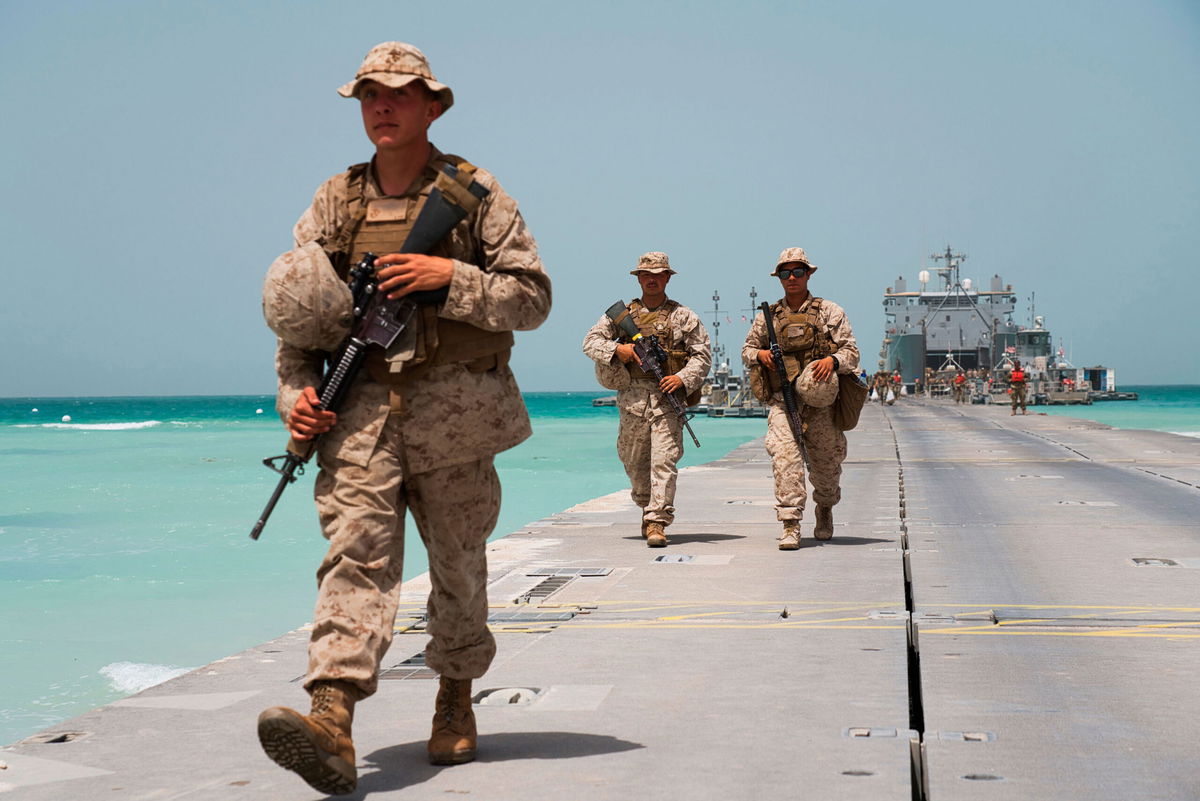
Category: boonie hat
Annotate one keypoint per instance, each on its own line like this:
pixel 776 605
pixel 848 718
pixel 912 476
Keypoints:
pixel 813 392
pixel 397 64
pixel 653 262
pixel 791 255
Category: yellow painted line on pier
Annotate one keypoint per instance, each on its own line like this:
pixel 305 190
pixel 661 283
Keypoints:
pixel 781 624
pixel 1144 632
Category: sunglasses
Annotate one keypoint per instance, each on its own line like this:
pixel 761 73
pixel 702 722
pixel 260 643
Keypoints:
pixel 799 272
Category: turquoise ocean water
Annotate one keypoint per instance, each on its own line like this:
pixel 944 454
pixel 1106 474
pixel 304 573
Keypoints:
pixel 125 553
pixel 126 559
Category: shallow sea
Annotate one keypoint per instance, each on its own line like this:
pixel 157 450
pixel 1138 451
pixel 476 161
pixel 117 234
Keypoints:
pixel 124 548
pixel 125 554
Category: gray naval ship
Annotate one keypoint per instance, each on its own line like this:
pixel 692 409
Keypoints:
pixel 948 324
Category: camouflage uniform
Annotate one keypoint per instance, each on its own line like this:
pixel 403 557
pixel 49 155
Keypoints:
pixel 425 446
pixel 650 435
pixel 825 444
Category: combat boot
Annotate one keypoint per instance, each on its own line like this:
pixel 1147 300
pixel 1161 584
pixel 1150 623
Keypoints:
pixel 317 745
pixel 453 739
pixel 790 541
pixel 655 536
pixel 824 527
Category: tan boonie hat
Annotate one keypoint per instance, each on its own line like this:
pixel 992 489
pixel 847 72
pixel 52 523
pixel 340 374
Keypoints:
pixel 653 262
pixel 791 255
pixel 397 64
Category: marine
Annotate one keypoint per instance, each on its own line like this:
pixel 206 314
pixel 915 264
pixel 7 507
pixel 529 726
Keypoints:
pixel 817 343
pixel 1017 385
pixel 419 428
pixel 650 433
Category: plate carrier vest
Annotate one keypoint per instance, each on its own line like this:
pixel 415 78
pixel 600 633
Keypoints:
pixel 658 323
pixel 380 226
pixel 802 338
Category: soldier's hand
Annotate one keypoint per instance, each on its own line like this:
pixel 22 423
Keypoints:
pixel 764 356
pixel 627 354
pixel 823 369
pixel 670 383
pixel 305 420
pixel 402 273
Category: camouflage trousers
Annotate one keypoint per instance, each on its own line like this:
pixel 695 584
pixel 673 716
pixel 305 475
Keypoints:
pixel 650 449
pixel 358 583
pixel 826 451
pixel 1018 396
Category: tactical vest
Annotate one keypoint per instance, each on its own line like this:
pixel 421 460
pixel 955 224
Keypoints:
pixel 380 225
pixel 657 323
pixel 1017 377
pixel 802 338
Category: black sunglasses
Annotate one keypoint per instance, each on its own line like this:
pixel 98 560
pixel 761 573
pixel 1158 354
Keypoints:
pixel 799 272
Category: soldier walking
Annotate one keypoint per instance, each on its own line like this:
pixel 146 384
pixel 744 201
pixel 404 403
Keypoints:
pixel 650 436
pixel 817 342
pixel 420 426
pixel 1017 384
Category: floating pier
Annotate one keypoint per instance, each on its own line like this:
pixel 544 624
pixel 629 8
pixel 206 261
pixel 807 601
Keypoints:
pixel 1009 609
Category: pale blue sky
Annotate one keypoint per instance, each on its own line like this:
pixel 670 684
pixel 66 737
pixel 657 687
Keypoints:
pixel 156 154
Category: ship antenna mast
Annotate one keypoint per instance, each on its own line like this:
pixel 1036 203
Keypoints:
pixel 718 352
pixel 752 310
pixel 949 272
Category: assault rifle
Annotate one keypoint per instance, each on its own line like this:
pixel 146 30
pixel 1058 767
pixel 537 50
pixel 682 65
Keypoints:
pixel 652 357
pixel 378 321
pixel 790 406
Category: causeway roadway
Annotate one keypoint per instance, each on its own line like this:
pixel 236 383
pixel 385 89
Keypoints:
pixel 1009 609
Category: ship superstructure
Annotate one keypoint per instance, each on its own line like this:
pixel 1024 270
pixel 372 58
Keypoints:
pixel 947 324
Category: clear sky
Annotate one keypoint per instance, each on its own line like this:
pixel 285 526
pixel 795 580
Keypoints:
pixel 155 155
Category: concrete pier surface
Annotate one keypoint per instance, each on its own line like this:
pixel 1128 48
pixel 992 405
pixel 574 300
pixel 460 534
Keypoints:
pixel 1009 609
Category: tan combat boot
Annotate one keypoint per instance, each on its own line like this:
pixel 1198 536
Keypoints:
pixel 453 739
pixel 655 536
pixel 824 527
pixel 317 745
pixel 790 541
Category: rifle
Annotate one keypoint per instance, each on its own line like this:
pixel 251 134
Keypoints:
pixel 789 392
pixel 652 357
pixel 378 321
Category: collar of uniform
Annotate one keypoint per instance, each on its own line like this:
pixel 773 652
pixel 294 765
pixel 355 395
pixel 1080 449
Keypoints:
pixel 666 302
pixel 373 190
pixel 807 302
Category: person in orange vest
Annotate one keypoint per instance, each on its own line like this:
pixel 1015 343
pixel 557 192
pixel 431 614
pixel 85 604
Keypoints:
pixel 960 386
pixel 1016 383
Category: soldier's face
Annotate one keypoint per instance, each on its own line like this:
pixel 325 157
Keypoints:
pixel 395 118
pixel 797 281
pixel 653 283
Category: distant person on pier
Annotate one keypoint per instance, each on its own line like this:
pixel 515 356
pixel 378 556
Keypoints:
pixel 817 343
pixel 420 425
pixel 960 387
pixel 650 433
pixel 1016 385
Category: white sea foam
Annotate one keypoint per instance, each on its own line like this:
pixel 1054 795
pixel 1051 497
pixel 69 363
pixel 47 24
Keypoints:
pixel 133 677
pixel 1187 433
pixel 98 426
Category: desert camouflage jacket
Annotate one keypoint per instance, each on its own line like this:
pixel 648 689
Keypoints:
pixel 835 325
pixel 642 398
pixel 450 415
